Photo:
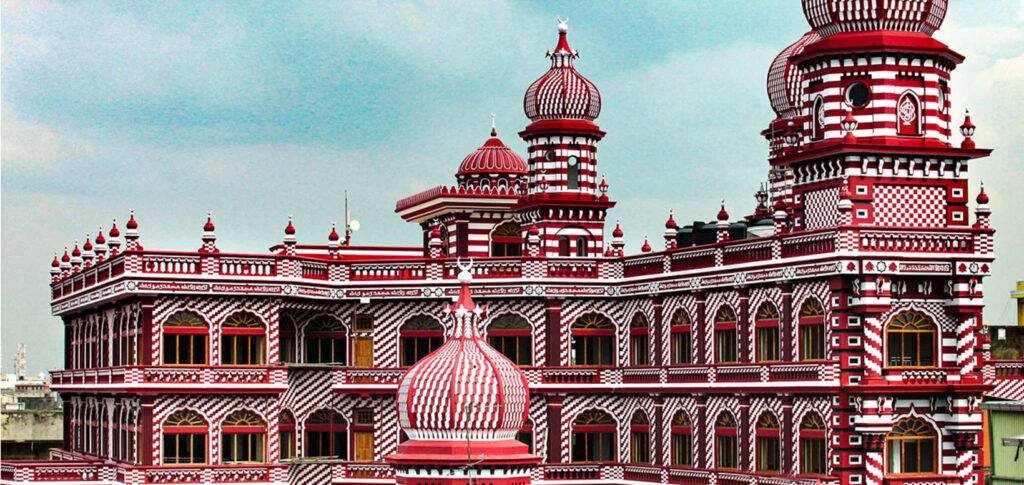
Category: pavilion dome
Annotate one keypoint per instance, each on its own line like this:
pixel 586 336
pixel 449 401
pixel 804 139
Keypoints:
pixel 493 158
pixel 562 92
pixel 784 88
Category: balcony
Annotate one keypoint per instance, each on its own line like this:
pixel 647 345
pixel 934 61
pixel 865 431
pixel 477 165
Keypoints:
pixel 251 379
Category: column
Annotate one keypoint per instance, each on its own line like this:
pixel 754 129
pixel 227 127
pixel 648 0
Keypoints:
pixel 743 330
pixel 788 352
pixel 701 328
pixel 702 455
pixel 787 436
pixel 146 430
pixel 657 331
pixel 658 451
pixel 553 332
pixel 554 427
pixel 146 333
pixel 744 433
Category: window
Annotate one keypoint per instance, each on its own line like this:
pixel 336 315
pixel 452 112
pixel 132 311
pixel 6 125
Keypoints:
pixel 581 246
pixel 184 439
pixel 682 343
pixel 286 433
pixel 911 447
pixel 419 336
pixel 563 245
pixel 682 440
pixel 572 175
pixel 362 340
pixel 326 435
pixel 639 341
pixel 769 457
pixel 725 335
pixel 511 335
pixel 639 438
pixel 725 441
pixel 485 184
pixel 286 337
pixel 362 434
pixel 818 119
pixel 593 437
pixel 812 445
pixel 242 337
pixel 812 330
pixel 525 435
pixel 243 438
pixel 908 115
pixel 325 341
pixel 185 337
pixel 766 324
pixel 507 240
pixel 910 340
pixel 858 95
pixel 593 340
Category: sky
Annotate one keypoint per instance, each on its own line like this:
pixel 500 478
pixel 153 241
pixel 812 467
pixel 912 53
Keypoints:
pixel 260 110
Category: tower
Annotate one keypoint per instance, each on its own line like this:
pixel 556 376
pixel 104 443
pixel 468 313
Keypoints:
pixel 564 200
pixel 461 407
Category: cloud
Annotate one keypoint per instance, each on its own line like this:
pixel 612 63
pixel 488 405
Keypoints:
pixel 29 146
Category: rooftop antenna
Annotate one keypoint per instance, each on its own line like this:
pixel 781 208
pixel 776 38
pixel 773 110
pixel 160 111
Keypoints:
pixel 350 224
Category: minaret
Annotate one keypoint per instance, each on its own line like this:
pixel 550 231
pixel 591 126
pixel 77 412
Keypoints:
pixel 461 407
pixel 564 200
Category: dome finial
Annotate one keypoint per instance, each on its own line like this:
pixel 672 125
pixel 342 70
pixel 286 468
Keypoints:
pixel 563 25
pixel 494 126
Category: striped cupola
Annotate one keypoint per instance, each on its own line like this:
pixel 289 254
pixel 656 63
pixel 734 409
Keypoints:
pixel 465 401
pixel 562 92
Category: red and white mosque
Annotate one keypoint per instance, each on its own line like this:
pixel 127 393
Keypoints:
pixel 834 335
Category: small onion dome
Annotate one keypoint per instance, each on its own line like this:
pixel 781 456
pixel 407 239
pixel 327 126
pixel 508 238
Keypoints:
pixel 114 231
pixel 982 196
pixel 646 247
pixel 333 236
pixel 492 158
pixel 290 228
pixel 844 191
pixel 830 17
pixel 722 214
pixel 88 244
pixel 209 227
pixel 76 252
pixel 66 258
pixel 784 78
pixel 617 232
pixel 100 240
pixel 132 223
pixel 671 222
pixel 780 205
pixel 55 263
pixel 465 386
pixel 562 92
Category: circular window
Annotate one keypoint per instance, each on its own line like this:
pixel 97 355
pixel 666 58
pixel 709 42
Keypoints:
pixel 572 161
pixel 858 95
pixel 550 155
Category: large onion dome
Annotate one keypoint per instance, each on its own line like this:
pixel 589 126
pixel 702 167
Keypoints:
pixel 784 89
pixel 562 92
pixel 830 17
pixel 463 401
pixel 493 158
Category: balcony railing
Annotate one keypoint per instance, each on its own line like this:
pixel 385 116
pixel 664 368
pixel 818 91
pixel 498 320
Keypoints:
pixel 168 375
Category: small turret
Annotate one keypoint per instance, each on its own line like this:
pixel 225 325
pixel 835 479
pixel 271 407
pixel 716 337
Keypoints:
pixel 671 229
pixel 618 243
pixel 131 233
pixel 334 241
pixel 114 239
pixel 65 262
pixel 76 257
pixel 289 238
pixel 55 267
pixel 722 228
pixel 87 253
pixel 101 245
pixel 646 248
pixel 209 236
pixel 982 212
pixel 967 130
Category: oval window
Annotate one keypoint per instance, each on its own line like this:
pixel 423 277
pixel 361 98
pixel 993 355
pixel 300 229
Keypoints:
pixel 550 155
pixel 858 95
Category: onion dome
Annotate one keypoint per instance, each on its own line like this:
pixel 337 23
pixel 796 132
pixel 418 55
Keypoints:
pixel 132 224
pixel 114 231
pixel 333 236
pixel 463 390
pixel 533 230
pixel 830 17
pixel 562 92
pixel 100 240
pixel 784 89
pixel 67 257
pixel 646 247
pixel 289 230
pixel 722 214
pixel 88 244
pixel 982 196
pixel 967 130
pixel 75 253
pixel 55 263
pixel 209 227
pixel 617 232
pixel 780 205
pixel 671 222
pixel 493 158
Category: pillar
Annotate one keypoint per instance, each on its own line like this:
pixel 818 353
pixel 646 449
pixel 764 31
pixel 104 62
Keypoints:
pixel 787 436
pixel 554 427
pixel 743 326
pixel 146 430
pixel 786 322
pixel 657 331
pixel 462 235
pixel 702 455
pixel 146 332
pixel 745 440
pixel 701 328
pixel 658 450
pixel 553 331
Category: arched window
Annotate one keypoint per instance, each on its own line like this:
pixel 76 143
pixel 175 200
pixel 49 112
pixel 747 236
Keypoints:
pixel 362 434
pixel 818 119
pixel 326 435
pixel 812 445
pixel 418 337
pixel 725 441
pixel 725 335
pixel 326 341
pixel 910 340
pixel 485 183
pixel 563 245
pixel 639 341
pixel 502 184
pixel 184 438
pixel 185 337
pixel 766 323
pixel 581 246
pixel 445 240
pixel 682 440
pixel 362 340
pixel 243 438
pixel 286 337
pixel 593 437
pixel 572 175
pixel 525 435
pixel 639 438
pixel 911 447
pixel 507 240
pixel 682 342
pixel 593 340
pixel 242 340
pixel 511 335
pixel 811 319
pixel 769 449
pixel 908 115
pixel 286 434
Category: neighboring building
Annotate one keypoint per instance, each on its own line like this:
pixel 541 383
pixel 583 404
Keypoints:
pixel 31 418
pixel 832 336
pixel 1006 440
pixel 1019 296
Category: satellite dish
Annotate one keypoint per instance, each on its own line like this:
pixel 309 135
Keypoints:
pixel 354 224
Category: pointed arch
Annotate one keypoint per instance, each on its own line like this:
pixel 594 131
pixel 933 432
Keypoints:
pixel 512 335
pixel 912 446
pixel 911 338
pixel 639 340
pixel 286 434
pixel 326 435
pixel 811 323
pixel 326 340
pixel 507 239
pixel 818 118
pixel 768 446
pixel 419 336
pixel 682 439
pixel 681 338
pixel 639 437
pixel 243 339
pixel 726 445
pixel 185 438
pixel 593 340
pixel 812 444
pixel 726 343
pixel 185 339
pixel 593 437
pixel 908 115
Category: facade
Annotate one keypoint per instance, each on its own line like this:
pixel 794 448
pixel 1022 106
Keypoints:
pixel 832 335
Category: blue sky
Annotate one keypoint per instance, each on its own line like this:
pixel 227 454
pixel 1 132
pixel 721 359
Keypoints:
pixel 257 111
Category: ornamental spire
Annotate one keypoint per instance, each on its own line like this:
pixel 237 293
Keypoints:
pixel 465 313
